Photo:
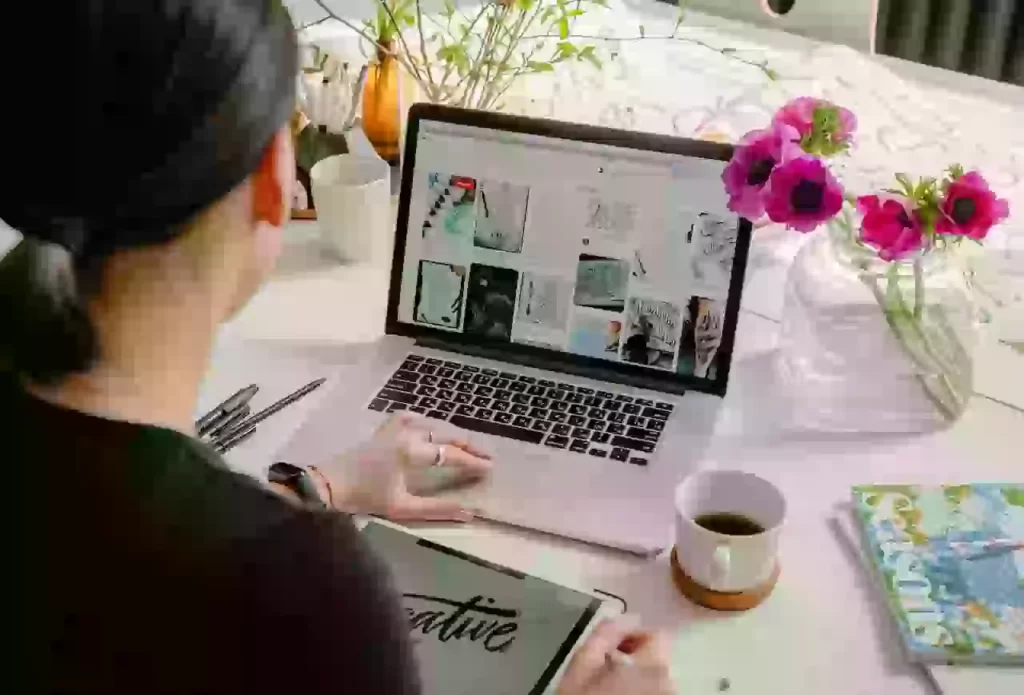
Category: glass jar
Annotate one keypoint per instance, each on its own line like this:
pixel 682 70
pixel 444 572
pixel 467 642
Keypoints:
pixel 874 346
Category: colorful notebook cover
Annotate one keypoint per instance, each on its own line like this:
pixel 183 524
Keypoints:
pixel 951 560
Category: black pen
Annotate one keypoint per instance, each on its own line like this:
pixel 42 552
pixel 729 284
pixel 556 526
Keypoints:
pixel 222 425
pixel 270 410
pixel 225 409
pixel 225 445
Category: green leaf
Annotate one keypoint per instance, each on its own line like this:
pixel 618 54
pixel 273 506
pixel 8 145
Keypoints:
pixel 537 66
pixel 563 28
pixel 1014 496
pixel 449 9
pixel 908 186
pixel 588 55
pixel 643 31
pixel 955 171
pixel 566 49
pixel 575 13
pixel 772 75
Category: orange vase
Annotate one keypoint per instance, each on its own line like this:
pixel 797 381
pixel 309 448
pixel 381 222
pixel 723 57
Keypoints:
pixel 380 107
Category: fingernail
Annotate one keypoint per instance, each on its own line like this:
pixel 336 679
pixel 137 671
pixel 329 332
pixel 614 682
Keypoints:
pixel 465 516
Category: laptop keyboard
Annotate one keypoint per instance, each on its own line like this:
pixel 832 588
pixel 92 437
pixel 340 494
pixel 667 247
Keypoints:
pixel 540 411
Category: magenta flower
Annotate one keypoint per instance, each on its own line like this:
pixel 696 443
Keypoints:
pixel 889 226
pixel 802 193
pixel 970 208
pixel 799 114
pixel 756 155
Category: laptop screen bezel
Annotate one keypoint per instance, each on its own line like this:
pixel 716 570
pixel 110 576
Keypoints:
pixel 531 356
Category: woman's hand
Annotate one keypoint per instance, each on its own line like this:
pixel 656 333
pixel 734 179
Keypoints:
pixel 377 472
pixel 616 660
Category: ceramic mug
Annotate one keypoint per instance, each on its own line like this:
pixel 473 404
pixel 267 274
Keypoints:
pixel 352 194
pixel 723 562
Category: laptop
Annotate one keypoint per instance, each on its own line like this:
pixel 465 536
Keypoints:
pixel 569 295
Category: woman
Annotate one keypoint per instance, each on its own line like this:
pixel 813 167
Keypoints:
pixel 151 191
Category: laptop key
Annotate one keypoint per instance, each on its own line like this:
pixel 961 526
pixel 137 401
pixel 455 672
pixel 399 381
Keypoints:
pixel 560 406
pixel 656 413
pixel 399 396
pixel 463 398
pixel 463 376
pixel 634 444
pixel 616 417
pixel 438 414
pixel 580 446
pixel 497 428
pixel 600 437
pixel 596 425
pixel 398 385
pixel 490 372
pixel 519 409
pixel 613 406
pixel 444 395
pixel 429 403
pixel 395 407
pixel 578 410
pixel 645 435
pixel 484 390
pixel 558 442
pixel 406 375
pixel 502 395
pixel 563 430
pixel 536 390
pixel 577 420
pixel 644 401
pixel 501 406
pixel 426 391
pixel 470 369
pixel 573 398
pixel 599 453
pixel 522 421
pixel 556 394
pixel 605 394
pixel 465 410
pixel 655 425
pixel 449 384
pixel 518 387
pixel 434 361
pixel 593 401
pixel 527 379
pixel 614 428
pixel 427 380
pixel 414 358
pixel 500 383
pixel 481 402
pixel 446 407
pixel 482 380
pixel 417 409
pixel 584 390
pixel 541 426
pixel 409 365
pixel 508 375
pixel 464 387
pixel 631 409
pixel 503 418
pixel 620 454
pixel 378 404
pixel 557 417
pixel 444 372
pixel 521 399
pixel 427 369
pixel 596 413
pixel 663 406
pixel 452 365
pixel 540 402
pixel 638 460
pixel 581 433
pixel 484 414
pixel 545 382
pixel 624 398
pixel 636 421
pixel 538 412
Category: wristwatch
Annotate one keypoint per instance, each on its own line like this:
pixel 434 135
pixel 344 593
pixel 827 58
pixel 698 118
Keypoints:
pixel 298 480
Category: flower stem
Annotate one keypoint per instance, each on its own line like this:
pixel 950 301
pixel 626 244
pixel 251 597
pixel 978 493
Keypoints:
pixel 918 289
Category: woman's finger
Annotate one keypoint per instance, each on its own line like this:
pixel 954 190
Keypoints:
pixel 461 440
pixel 592 656
pixel 422 453
pixel 413 508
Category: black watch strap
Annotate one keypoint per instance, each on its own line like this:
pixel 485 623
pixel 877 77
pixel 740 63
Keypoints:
pixel 298 480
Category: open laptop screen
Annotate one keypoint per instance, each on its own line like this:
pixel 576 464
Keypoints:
pixel 598 252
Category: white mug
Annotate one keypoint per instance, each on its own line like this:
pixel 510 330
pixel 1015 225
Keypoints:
pixel 721 562
pixel 352 195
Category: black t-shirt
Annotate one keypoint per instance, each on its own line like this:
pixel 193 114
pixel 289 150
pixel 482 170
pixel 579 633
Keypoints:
pixel 149 567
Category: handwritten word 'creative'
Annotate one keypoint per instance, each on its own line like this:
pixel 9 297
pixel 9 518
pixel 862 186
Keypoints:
pixel 493 627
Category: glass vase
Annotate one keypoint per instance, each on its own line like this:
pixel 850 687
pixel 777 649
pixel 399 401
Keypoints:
pixel 874 346
pixel 381 119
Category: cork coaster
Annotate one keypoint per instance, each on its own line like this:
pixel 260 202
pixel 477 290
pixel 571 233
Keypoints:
pixel 721 601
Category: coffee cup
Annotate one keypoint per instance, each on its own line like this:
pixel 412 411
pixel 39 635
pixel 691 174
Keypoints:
pixel 352 194
pixel 727 534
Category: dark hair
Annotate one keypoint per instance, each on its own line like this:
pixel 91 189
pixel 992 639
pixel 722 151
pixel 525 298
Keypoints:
pixel 141 115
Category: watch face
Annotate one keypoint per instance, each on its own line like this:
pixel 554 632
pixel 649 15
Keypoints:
pixel 284 473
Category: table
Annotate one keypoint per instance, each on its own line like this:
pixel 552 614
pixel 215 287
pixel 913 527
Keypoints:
pixel 824 629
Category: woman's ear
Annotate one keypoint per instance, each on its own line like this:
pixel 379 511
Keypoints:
pixel 272 181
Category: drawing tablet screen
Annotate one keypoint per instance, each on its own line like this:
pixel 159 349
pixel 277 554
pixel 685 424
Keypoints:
pixel 479 628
